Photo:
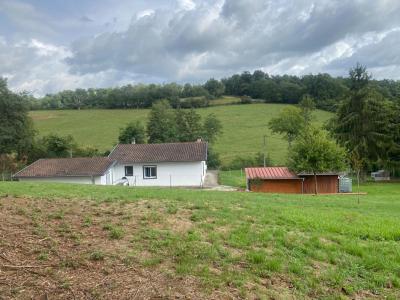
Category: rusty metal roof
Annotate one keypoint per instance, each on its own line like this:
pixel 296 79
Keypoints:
pixel 270 173
pixel 60 167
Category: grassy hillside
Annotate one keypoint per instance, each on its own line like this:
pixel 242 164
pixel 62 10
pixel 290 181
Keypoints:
pixel 244 127
pixel 117 242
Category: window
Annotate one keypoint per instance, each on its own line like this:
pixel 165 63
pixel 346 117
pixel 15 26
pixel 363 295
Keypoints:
pixel 128 170
pixel 149 172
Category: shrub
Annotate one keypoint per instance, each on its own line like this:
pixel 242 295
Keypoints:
pixel 245 100
pixel 240 162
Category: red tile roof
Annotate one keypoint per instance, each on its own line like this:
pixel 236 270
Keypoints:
pixel 152 153
pixel 270 173
pixel 60 167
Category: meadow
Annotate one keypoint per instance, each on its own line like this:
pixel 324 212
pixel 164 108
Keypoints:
pixel 243 127
pixel 104 242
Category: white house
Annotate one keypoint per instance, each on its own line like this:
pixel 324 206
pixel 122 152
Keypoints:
pixel 170 164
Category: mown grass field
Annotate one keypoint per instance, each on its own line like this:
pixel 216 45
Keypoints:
pixel 107 242
pixel 244 127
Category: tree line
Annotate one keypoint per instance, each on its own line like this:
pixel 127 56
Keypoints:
pixel 327 92
pixel 364 132
pixel 20 144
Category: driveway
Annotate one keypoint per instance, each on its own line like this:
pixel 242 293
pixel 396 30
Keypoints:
pixel 211 182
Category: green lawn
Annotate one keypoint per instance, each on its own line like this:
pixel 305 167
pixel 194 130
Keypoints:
pixel 235 178
pixel 244 127
pixel 239 244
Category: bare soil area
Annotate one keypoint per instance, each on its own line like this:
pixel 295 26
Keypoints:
pixel 74 249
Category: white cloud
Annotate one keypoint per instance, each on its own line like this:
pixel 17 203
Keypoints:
pixel 40 68
pixel 193 40
pixel 144 13
pixel 186 4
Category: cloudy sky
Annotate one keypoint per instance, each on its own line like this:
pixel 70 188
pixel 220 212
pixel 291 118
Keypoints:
pixel 50 45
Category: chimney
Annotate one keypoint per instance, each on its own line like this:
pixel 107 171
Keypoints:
pixel 199 140
pixel 133 141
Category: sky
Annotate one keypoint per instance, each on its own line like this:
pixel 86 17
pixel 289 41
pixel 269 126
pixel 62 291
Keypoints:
pixel 51 45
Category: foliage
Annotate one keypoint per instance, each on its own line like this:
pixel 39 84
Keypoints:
pixel 55 146
pixel 161 124
pixel 133 132
pixel 327 91
pixel 212 128
pixel 188 125
pixel 9 164
pixel 307 106
pixel 58 146
pixel 240 162
pixel 213 159
pixel 363 122
pixel 393 153
pixel 313 151
pixel 214 87
pixel 245 100
pixel 290 122
pixel 194 102
pixel 16 130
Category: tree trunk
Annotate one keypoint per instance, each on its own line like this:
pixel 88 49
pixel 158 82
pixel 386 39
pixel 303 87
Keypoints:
pixel 315 183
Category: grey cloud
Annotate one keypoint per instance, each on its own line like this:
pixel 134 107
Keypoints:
pixel 192 42
pixel 230 37
pixel 378 54
pixel 26 18
pixel 85 19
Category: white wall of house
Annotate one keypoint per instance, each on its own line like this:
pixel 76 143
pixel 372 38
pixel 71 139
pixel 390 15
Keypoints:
pixel 168 174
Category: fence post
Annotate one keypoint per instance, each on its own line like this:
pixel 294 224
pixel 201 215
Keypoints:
pixel 170 181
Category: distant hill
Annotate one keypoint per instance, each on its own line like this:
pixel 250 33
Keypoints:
pixel 243 127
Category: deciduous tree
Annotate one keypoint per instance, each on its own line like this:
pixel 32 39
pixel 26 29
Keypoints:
pixel 290 122
pixel 313 151
pixel 16 130
pixel 161 125
pixel 134 132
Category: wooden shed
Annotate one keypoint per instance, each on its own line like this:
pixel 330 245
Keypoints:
pixel 273 180
pixel 327 183
pixel 282 180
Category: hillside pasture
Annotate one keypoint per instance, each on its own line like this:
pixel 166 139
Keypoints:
pixel 70 241
pixel 243 127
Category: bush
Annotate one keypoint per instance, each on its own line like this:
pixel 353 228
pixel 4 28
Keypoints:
pixel 240 162
pixel 213 160
pixel 194 102
pixel 245 100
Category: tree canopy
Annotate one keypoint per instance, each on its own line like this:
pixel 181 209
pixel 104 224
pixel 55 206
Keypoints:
pixel 363 122
pixel 134 132
pixel 327 91
pixel 16 130
pixel 290 122
pixel 313 151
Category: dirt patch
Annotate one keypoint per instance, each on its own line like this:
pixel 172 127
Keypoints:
pixel 70 249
